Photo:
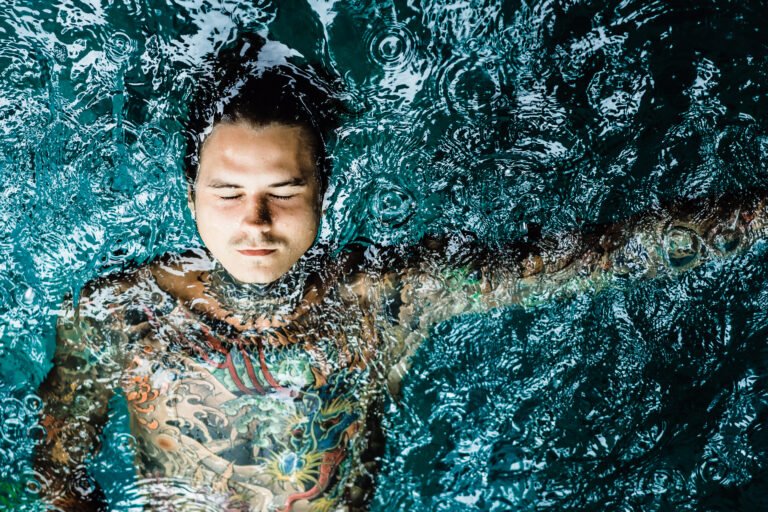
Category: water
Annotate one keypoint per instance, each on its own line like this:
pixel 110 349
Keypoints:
pixel 498 118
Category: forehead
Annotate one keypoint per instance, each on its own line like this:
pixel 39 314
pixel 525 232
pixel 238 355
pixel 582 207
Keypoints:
pixel 244 150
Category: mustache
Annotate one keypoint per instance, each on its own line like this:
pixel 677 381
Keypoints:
pixel 248 241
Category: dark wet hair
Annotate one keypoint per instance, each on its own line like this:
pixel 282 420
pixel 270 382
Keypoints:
pixel 240 85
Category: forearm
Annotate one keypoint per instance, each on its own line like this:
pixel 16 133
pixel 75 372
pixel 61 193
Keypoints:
pixel 62 458
pixel 666 242
pixel 68 488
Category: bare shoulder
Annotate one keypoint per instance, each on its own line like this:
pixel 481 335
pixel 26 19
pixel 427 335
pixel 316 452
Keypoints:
pixel 181 274
pixel 369 273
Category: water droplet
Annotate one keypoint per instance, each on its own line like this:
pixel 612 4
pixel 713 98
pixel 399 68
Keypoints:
pixel 120 47
pixel 28 297
pixel 392 48
pixel 392 204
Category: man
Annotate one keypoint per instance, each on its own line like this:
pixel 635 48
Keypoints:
pixel 253 370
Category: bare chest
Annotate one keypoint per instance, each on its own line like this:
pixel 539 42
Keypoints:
pixel 264 420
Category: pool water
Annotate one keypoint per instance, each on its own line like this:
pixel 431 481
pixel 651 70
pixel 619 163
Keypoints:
pixel 490 117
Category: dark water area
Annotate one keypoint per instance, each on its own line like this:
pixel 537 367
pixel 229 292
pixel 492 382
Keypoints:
pixel 494 118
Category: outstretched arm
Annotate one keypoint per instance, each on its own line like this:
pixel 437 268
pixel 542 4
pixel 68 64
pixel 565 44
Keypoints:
pixel 448 280
pixel 454 276
pixel 75 396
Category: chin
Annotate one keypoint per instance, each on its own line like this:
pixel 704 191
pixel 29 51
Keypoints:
pixel 259 275
pixel 256 277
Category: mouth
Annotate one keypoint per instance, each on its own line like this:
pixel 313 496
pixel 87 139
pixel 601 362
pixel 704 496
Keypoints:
pixel 256 252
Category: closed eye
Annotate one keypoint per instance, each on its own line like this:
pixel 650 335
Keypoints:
pixel 281 198
pixel 226 198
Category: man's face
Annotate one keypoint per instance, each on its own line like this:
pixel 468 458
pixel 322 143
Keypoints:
pixel 256 200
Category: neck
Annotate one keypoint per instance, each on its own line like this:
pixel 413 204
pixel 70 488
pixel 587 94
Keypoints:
pixel 250 302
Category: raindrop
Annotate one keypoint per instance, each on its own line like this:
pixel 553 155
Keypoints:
pixel 28 297
pixel 120 47
pixel 392 204
pixel 392 47
pixel 155 141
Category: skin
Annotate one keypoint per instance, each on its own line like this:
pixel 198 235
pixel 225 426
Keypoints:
pixel 164 335
pixel 256 190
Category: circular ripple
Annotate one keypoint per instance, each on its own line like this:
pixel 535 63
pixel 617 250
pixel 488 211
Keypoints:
pixel 393 47
pixel 662 481
pixel 391 204
pixel 469 87
pixel 155 141
pixel 120 47
pixel 33 403
pixel 682 247
pixel 725 239
pixel 713 470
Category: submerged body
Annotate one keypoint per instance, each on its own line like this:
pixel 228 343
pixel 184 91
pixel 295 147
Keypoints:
pixel 269 403
pixel 255 417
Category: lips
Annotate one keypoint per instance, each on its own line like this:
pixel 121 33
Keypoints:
pixel 256 252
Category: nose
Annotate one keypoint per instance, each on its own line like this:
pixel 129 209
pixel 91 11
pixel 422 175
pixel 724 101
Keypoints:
pixel 257 214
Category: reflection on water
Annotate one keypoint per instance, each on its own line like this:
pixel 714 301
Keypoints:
pixel 503 119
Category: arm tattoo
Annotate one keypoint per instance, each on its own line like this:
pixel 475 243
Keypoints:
pixel 436 287
pixel 75 395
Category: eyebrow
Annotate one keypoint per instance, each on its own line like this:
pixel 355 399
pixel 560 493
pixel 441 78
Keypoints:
pixel 295 182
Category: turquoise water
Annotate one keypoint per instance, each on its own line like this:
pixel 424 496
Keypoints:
pixel 495 118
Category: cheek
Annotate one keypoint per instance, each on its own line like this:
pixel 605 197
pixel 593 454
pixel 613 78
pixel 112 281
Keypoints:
pixel 213 222
pixel 296 220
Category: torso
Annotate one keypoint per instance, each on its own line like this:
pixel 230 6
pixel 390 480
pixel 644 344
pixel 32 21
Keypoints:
pixel 262 417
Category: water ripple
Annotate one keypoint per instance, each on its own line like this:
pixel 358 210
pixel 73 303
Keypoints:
pixel 391 47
